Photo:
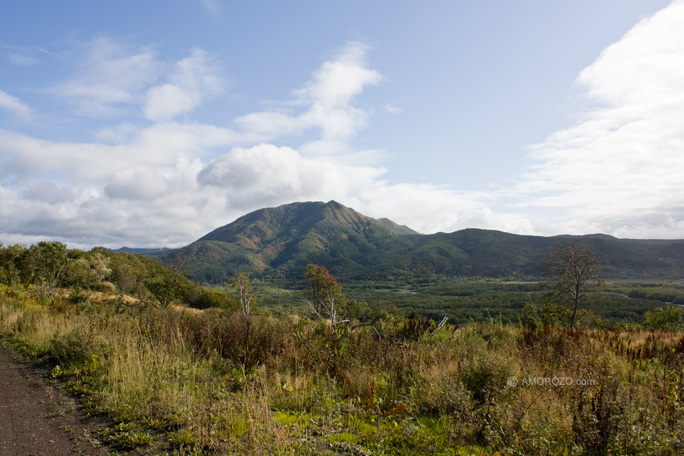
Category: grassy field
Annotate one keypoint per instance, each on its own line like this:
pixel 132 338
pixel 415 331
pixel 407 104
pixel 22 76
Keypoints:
pixel 182 381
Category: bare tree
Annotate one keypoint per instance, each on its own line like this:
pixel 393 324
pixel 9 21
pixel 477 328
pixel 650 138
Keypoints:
pixel 573 270
pixel 243 289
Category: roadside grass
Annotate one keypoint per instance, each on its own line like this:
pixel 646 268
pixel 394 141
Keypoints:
pixel 187 382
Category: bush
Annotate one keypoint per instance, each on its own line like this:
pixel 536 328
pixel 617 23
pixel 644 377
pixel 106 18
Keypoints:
pixel 70 350
pixel 664 319
pixel 547 314
pixel 485 377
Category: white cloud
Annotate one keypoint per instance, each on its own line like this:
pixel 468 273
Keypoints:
pixel 24 56
pixel 24 156
pixel 212 7
pixel 426 208
pixel 486 218
pixel 619 169
pixel 338 81
pixel 22 59
pixel 109 77
pixel 267 175
pixel 160 145
pixel 392 108
pixel 138 193
pixel 327 99
pixel 156 190
pixel 15 106
pixel 121 133
pixel 193 79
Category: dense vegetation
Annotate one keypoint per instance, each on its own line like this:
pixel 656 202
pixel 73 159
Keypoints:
pixel 48 268
pixel 220 382
pixel 617 303
pixel 347 375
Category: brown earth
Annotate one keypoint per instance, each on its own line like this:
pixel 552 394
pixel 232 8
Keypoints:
pixel 37 419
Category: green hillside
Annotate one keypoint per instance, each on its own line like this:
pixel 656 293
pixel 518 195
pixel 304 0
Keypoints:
pixel 277 244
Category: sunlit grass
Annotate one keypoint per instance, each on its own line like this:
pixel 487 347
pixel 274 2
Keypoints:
pixel 210 382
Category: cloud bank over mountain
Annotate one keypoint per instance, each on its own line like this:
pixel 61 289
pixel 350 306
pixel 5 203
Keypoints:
pixel 151 171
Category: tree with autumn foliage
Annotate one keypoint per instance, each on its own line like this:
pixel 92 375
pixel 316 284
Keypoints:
pixel 328 299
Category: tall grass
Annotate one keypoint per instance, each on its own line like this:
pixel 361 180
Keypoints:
pixel 212 382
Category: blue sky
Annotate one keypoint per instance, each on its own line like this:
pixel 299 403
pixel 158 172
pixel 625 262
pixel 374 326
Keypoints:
pixel 152 123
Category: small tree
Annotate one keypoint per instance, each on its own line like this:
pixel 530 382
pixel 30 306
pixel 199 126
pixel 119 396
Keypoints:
pixel 45 263
pixel 573 271
pixel 327 294
pixel 243 291
pixel 99 263
pixel 167 286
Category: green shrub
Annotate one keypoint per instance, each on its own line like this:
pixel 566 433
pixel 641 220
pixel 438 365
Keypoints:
pixel 664 319
pixel 71 350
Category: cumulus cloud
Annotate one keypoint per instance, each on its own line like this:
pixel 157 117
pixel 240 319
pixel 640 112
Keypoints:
pixel 15 106
pixel 339 80
pixel 619 169
pixel 426 208
pixel 326 99
pixel 193 79
pixel 266 175
pixel 90 194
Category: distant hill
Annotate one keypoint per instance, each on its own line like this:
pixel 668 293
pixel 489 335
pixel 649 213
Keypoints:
pixel 139 251
pixel 278 243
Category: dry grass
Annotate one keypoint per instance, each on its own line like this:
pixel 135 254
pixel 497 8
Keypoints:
pixel 211 382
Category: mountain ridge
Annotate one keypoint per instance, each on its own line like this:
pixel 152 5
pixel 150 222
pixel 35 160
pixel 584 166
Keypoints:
pixel 278 242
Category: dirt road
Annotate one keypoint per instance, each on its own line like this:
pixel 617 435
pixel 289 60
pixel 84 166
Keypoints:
pixel 36 419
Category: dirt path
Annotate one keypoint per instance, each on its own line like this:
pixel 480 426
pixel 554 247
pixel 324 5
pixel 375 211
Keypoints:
pixel 36 419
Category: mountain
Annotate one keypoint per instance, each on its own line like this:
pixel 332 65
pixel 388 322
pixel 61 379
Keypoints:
pixel 140 251
pixel 278 243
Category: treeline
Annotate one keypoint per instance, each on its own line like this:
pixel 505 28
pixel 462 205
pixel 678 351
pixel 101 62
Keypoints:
pixel 664 295
pixel 49 270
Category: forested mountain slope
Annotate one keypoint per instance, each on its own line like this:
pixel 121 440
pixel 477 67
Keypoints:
pixel 278 243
